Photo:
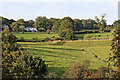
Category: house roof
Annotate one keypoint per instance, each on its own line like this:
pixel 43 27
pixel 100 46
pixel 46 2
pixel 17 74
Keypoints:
pixel 29 27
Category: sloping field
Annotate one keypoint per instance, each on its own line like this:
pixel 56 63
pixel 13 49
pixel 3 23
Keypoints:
pixel 60 55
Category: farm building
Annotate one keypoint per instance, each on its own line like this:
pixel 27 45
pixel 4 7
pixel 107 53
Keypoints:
pixel 32 29
pixel 5 26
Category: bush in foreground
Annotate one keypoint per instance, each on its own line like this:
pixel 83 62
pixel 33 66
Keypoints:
pixel 78 70
pixel 29 67
pixel 82 71
pixel 17 63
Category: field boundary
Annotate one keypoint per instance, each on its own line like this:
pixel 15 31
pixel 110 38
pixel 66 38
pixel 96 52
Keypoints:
pixel 80 40
pixel 65 40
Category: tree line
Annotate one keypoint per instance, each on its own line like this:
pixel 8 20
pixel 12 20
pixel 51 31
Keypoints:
pixel 42 23
pixel 65 27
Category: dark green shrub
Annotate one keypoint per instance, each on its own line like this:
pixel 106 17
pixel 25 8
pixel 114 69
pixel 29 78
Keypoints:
pixel 86 31
pixel 75 38
pixel 99 35
pixel 57 38
pixel 107 30
pixel 42 40
pixel 33 38
pixel 25 30
pixel 61 38
pixel 62 34
pixel 46 39
pixel 69 34
pixel 29 67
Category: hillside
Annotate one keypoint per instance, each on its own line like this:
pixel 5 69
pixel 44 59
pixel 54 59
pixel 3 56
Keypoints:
pixel 60 55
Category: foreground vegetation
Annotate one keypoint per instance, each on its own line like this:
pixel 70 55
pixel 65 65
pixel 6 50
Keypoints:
pixel 17 63
pixel 60 55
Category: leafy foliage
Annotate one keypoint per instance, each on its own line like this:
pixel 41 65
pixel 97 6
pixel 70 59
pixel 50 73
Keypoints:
pixel 103 72
pixel 101 23
pixel 77 25
pixel 78 70
pixel 29 67
pixel 64 28
pixel 22 28
pixel 114 55
pixel 55 27
pixel 43 22
pixel 17 63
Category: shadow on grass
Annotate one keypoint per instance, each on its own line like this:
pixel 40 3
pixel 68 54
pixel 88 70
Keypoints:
pixel 58 70
pixel 26 45
pixel 51 47
pixel 48 51
pixel 58 43
pixel 60 48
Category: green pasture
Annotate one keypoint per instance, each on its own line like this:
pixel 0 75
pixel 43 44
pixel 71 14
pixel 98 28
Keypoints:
pixel 60 55
pixel 95 35
pixel 33 36
pixel 30 35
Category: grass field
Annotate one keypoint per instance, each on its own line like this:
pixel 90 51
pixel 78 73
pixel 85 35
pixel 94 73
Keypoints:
pixel 95 35
pixel 29 35
pixel 60 55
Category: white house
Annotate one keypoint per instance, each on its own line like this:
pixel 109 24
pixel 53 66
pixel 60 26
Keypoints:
pixel 31 29
pixel 6 26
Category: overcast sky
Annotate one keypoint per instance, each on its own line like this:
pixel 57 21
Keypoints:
pixel 59 9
